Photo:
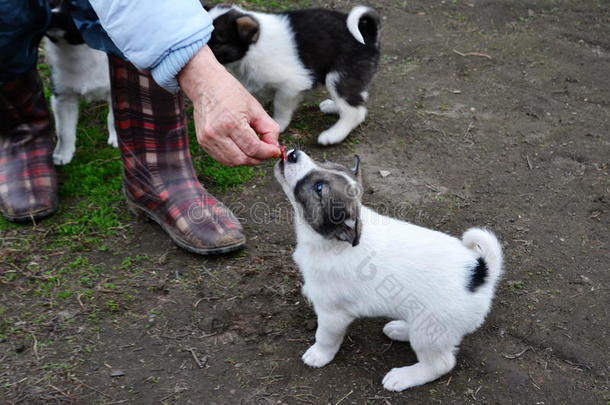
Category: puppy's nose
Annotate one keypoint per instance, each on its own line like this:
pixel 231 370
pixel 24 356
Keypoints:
pixel 293 156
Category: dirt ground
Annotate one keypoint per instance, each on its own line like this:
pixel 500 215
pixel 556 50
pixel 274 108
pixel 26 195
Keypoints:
pixel 517 141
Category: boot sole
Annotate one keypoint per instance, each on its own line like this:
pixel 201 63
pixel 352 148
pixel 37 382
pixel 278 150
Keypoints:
pixel 140 211
pixel 32 218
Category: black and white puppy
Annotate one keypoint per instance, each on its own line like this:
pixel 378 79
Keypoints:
pixel 290 52
pixel 357 263
pixel 77 71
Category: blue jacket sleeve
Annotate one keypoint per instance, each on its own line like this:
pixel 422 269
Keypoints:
pixel 159 35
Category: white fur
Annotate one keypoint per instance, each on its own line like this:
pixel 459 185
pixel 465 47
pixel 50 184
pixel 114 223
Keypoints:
pixel 219 10
pixel 414 275
pixel 77 72
pixel 349 116
pixel 353 20
pixel 272 64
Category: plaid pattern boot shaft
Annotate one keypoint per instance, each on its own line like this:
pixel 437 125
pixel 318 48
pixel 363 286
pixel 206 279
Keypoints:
pixel 28 182
pixel 159 179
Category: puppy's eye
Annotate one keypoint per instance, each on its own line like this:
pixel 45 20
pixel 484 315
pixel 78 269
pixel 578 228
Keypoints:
pixel 318 187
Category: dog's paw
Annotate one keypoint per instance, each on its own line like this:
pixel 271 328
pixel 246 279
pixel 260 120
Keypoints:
pixel 317 357
pixel 399 379
pixel 397 330
pixel 112 140
pixel 62 157
pixel 328 106
pixel 330 137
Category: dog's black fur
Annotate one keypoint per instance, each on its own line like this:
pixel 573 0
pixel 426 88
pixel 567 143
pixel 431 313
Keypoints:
pixel 478 276
pixel 325 45
pixel 62 27
pixel 233 34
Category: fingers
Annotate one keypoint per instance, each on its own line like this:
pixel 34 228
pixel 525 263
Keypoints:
pixel 222 148
pixel 225 151
pixel 249 143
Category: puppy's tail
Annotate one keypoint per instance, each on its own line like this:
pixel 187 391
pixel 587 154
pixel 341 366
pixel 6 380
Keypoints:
pixel 364 23
pixel 487 245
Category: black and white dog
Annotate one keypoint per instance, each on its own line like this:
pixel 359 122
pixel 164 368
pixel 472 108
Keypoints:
pixel 77 71
pixel 357 263
pixel 290 52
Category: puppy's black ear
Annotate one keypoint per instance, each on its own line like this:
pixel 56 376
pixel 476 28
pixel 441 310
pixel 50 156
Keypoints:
pixel 248 29
pixel 206 8
pixel 355 169
pixel 349 231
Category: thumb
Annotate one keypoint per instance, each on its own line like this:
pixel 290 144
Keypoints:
pixel 266 127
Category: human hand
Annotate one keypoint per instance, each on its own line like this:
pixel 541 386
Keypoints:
pixel 227 117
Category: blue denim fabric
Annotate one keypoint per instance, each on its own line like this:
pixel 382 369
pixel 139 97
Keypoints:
pixel 22 25
pixel 90 28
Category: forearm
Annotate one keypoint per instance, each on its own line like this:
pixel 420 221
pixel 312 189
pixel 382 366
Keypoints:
pixel 201 71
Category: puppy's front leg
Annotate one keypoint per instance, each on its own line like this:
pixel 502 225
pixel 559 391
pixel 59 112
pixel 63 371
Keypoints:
pixel 65 112
pixel 112 135
pixel 329 335
pixel 284 104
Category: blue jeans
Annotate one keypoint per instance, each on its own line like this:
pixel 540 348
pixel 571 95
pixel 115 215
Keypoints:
pixel 24 22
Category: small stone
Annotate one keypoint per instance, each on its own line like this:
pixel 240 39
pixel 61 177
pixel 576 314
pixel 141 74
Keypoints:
pixel 117 373
pixel 265 348
pixel 310 324
pixel 384 173
pixel 163 259
pixel 65 314
pixel 586 279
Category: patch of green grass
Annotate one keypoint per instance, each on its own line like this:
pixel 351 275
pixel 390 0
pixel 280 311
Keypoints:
pixel 112 306
pixel 130 262
pixel 6 225
pixel 93 179
pixel 270 5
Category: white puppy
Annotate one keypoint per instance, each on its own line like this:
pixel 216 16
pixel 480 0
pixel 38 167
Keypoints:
pixel 77 71
pixel 358 263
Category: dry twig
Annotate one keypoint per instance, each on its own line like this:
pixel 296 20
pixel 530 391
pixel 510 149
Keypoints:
pixel 482 55
pixel 517 355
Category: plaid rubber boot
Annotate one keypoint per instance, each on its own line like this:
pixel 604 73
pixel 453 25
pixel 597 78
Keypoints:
pixel 159 179
pixel 28 182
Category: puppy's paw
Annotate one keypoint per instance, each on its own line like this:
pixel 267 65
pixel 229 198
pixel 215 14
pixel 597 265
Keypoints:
pixel 328 106
pixel 330 137
pixel 397 330
pixel 399 379
pixel 317 357
pixel 62 157
pixel 112 139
